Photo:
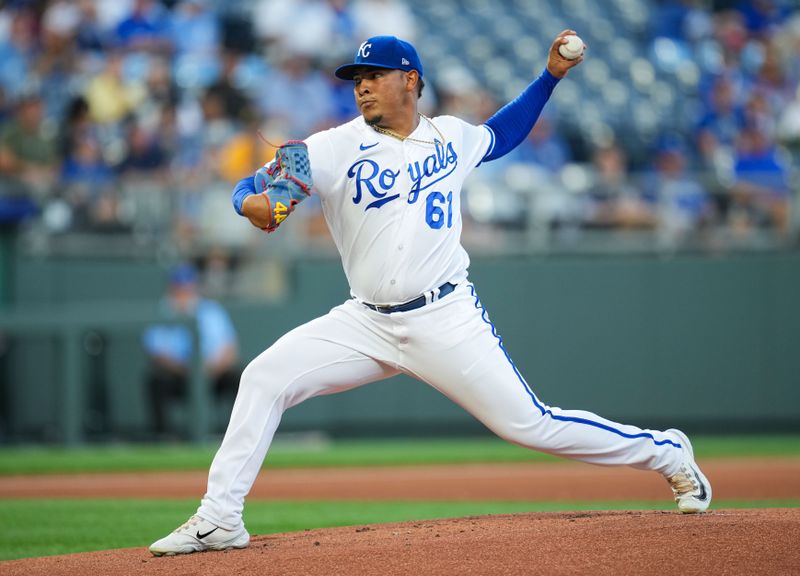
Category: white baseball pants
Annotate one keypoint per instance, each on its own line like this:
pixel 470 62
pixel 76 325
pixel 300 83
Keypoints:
pixel 449 344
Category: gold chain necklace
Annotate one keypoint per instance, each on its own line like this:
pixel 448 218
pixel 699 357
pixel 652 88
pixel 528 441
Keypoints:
pixel 394 134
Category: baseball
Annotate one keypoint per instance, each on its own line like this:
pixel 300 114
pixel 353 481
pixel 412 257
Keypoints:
pixel 573 48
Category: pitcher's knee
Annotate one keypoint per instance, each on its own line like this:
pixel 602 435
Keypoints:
pixel 249 377
pixel 531 433
pixel 512 432
pixel 273 381
pixel 259 378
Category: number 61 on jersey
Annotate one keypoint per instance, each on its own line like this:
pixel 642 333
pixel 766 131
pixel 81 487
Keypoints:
pixel 435 210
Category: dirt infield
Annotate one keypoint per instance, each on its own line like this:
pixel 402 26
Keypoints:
pixel 748 479
pixel 749 542
pixel 752 542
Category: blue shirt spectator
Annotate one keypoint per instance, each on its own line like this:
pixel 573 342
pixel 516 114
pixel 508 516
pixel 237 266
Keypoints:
pixel 194 32
pixel 758 164
pixel 677 199
pixel 762 16
pixel 145 29
pixel 171 347
pixel 174 342
pixel 299 96
pixel 194 28
pixel 17 54
pixel 724 118
pixel 85 168
pixel 544 147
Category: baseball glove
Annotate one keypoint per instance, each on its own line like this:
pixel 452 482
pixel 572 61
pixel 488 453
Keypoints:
pixel 285 182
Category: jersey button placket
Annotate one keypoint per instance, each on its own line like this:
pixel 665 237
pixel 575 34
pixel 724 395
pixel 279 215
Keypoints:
pixel 392 213
pixel 405 232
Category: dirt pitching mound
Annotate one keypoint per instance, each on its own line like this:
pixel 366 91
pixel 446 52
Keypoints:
pixel 749 542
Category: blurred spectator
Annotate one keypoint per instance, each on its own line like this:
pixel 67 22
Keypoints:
pixel 161 97
pixel 544 146
pixel 145 29
pixel 75 125
pixel 611 201
pixel 759 116
pixel 235 102
pixel 144 158
pixel 761 192
pixel 111 98
pixel 194 29
pixel 720 124
pixel 202 158
pixel 87 184
pixel 344 31
pixel 242 153
pixel 27 151
pixel 89 34
pixel 678 201
pixel 460 94
pixel 762 16
pixel 218 130
pixel 299 97
pixel 195 35
pixel 771 81
pixel 170 348
pixel 730 33
pixel 18 52
pixel 302 27
pixel 57 62
pixel 377 17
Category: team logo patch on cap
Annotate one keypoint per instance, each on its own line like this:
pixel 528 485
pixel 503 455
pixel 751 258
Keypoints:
pixel 382 52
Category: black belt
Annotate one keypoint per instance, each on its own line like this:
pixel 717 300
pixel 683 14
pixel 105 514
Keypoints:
pixel 417 302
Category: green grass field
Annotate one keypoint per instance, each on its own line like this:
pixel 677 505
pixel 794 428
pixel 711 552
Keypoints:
pixel 342 453
pixel 59 526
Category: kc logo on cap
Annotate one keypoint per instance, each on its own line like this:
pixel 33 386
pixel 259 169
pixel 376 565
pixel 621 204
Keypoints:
pixel 382 52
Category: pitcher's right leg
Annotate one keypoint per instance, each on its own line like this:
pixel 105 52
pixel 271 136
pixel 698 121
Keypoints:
pixel 327 355
pixel 324 356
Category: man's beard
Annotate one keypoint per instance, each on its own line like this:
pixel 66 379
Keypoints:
pixel 374 121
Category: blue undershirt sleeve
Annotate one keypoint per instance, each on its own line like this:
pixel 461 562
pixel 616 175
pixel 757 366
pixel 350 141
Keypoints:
pixel 512 123
pixel 244 188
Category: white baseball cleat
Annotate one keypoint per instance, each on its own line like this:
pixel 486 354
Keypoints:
pixel 198 535
pixel 691 488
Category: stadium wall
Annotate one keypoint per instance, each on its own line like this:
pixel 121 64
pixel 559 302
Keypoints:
pixel 708 343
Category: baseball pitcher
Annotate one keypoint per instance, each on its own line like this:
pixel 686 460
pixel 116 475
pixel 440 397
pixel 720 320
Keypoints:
pixel 390 186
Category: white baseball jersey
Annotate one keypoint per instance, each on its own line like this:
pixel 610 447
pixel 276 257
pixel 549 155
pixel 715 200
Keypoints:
pixel 394 207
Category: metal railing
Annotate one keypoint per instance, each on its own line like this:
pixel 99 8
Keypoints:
pixel 519 210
